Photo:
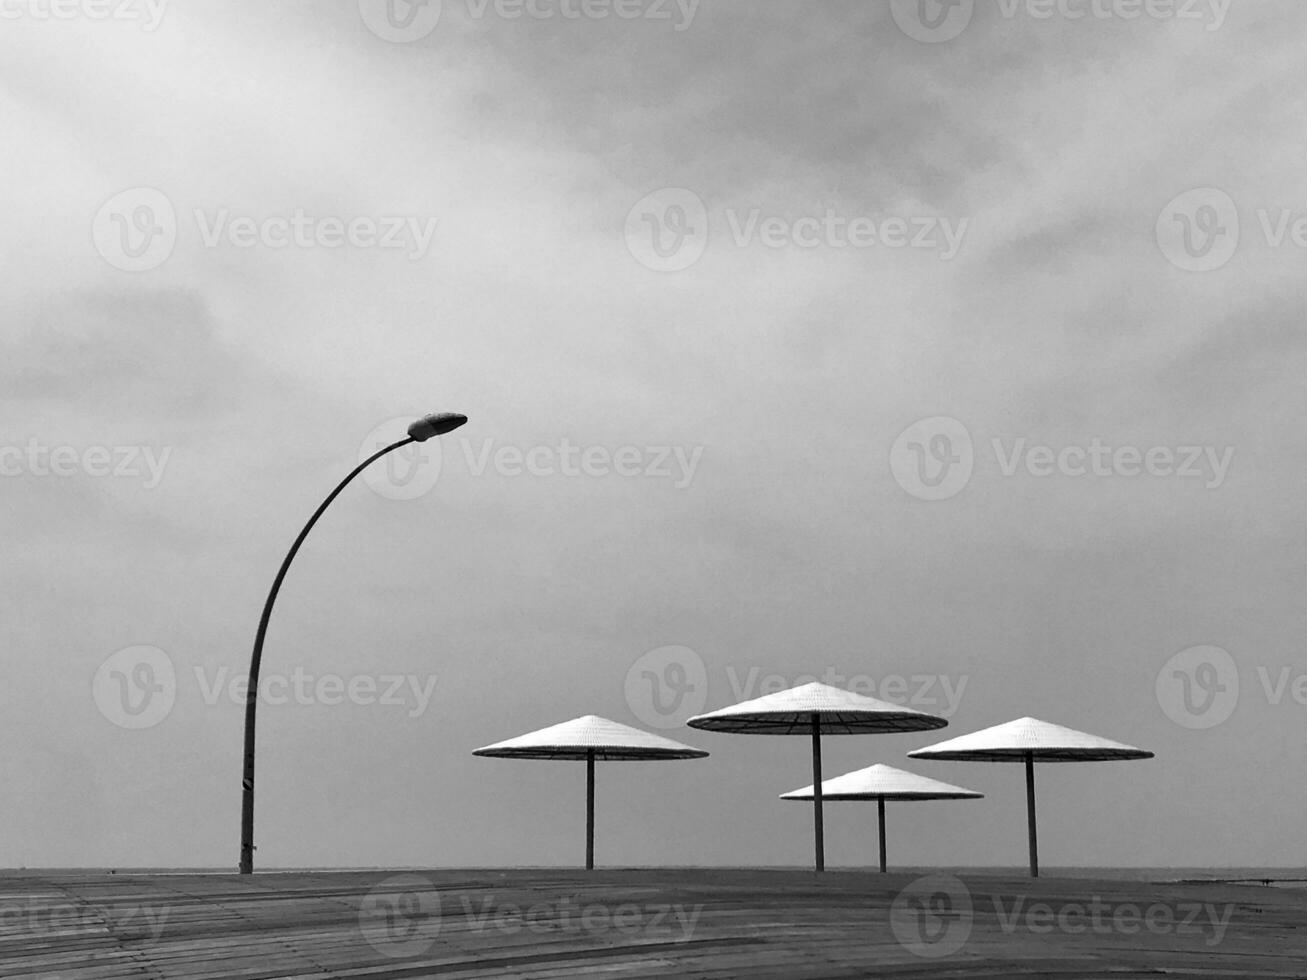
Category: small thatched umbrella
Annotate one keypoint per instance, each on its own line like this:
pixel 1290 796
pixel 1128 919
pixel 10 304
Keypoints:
pixel 881 783
pixel 587 739
pixel 816 709
pixel 1030 740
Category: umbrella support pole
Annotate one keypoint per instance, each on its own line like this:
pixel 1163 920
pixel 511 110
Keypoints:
pixel 1030 814
pixel 880 814
pixel 818 841
pixel 589 811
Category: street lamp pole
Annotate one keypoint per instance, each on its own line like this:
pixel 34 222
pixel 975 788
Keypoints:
pixel 420 431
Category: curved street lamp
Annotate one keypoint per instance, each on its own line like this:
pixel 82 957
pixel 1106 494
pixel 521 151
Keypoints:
pixel 420 431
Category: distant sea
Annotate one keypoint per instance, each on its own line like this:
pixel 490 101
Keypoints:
pixel 1284 877
pixel 1281 876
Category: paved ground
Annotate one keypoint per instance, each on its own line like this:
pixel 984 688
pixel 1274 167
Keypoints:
pixel 641 923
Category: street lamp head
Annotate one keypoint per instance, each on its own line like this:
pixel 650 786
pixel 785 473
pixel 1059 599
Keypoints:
pixel 435 425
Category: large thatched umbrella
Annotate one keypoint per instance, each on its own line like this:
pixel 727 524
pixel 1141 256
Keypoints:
pixel 590 738
pixel 816 709
pixel 1030 740
pixel 881 783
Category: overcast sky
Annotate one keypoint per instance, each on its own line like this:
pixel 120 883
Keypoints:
pixel 805 340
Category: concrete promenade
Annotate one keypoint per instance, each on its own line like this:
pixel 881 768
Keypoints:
pixel 641 923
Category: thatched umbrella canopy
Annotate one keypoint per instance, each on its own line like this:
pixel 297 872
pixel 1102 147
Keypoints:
pixel 1030 740
pixel 590 738
pixel 881 783
pixel 816 709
